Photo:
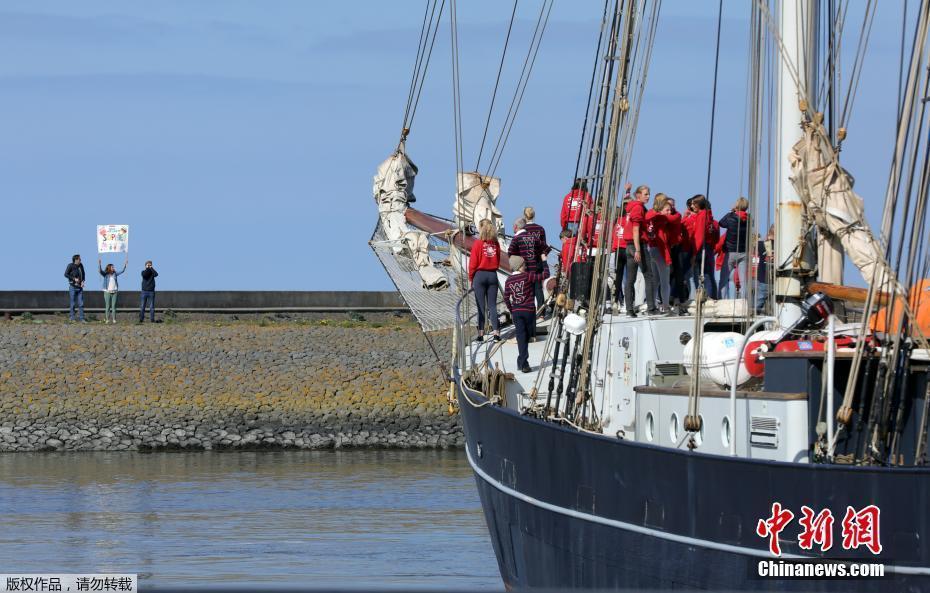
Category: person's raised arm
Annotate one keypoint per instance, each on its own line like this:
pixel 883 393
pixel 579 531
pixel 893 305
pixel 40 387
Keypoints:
pixel 125 264
pixel 100 266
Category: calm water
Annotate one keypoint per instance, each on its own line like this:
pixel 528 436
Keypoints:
pixel 341 519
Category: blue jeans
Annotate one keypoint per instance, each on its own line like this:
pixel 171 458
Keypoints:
pixel 727 284
pixel 485 285
pixel 762 295
pixel 75 299
pixel 147 296
pixel 707 268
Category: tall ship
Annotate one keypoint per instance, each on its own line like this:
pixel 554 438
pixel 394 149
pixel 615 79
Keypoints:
pixel 716 443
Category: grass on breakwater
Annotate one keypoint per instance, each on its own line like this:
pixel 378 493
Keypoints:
pixel 199 381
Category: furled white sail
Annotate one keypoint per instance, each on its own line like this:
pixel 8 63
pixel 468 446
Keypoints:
pixel 476 199
pixel 826 189
pixel 393 192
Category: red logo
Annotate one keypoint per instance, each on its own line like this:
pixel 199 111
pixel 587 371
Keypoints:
pixel 860 528
pixel 818 529
pixel 774 525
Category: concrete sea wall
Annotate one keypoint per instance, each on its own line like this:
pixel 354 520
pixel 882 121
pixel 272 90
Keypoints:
pixel 203 382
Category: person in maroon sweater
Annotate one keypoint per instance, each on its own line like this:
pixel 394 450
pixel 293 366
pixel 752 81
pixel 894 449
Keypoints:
pixel 529 214
pixel 482 272
pixel 530 247
pixel 518 296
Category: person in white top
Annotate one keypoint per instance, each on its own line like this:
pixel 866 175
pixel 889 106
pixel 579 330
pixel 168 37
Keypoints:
pixel 110 289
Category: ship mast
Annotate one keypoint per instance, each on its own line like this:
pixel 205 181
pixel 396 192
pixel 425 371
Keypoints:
pixel 796 26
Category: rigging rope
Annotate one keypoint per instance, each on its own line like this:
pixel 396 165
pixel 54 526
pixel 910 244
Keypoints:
pixel 497 82
pixel 416 63
pixel 713 100
pixel 422 65
pixel 541 22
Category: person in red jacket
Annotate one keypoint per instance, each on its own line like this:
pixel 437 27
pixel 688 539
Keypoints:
pixel 569 245
pixel 637 257
pixel 619 246
pixel 704 236
pixel 674 232
pixel 657 244
pixel 483 263
pixel 574 205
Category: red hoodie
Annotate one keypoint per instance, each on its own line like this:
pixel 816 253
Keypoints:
pixel 720 251
pixel 635 215
pixel 568 254
pixel 573 206
pixel 673 228
pixel 596 234
pixel 687 232
pixel 485 255
pixel 620 233
pixel 656 233
pixel 703 229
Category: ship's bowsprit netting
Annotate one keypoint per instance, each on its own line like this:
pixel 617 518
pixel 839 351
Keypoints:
pixel 434 309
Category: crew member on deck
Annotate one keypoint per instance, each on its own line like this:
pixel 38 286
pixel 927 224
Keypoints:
pixel 574 205
pixel 529 214
pixel 704 234
pixel 482 272
pixel 657 246
pixel 518 296
pixel 637 257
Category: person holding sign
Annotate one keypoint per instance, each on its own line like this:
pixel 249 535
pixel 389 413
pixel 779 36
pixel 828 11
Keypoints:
pixel 110 289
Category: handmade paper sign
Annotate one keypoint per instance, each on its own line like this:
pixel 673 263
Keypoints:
pixel 112 238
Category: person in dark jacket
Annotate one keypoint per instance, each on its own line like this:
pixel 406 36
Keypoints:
pixel 147 296
pixel 75 275
pixel 529 214
pixel 736 222
pixel 528 245
pixel 764 253
pixel 518 296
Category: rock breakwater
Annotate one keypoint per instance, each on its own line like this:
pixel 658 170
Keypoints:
pixel 209 383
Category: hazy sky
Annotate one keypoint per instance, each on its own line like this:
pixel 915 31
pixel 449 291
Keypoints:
pixel 238 138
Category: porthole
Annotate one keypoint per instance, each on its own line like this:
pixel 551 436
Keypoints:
pixel 725 431
pixel 699 435
pixel 673 428
pixel 650 427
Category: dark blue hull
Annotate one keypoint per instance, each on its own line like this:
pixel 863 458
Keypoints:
pixel 567 509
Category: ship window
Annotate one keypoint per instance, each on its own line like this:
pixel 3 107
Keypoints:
pixel 725 431
pixel 650 427
pixel 673 428
pixel 699 435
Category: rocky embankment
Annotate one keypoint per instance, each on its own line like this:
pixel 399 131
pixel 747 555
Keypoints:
pixel 224 382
